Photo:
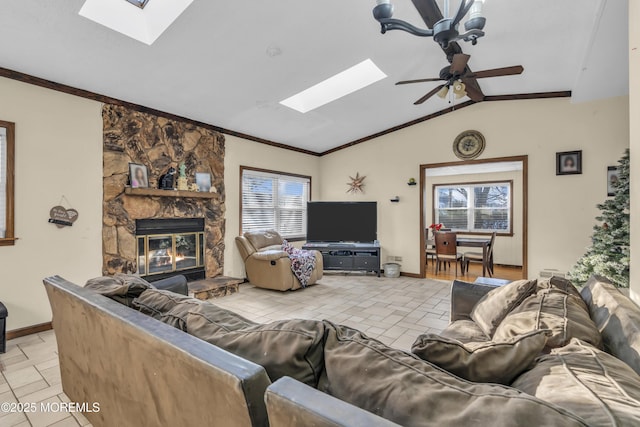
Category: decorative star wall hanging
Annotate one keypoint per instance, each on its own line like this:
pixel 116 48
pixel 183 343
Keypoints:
pixel 356 185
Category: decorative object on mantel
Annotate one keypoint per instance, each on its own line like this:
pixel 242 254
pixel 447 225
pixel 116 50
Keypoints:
pixel 138 176
pixel 412 181
pixel 469 145
pixel 203 180
pixel 357 184
pixel 182 179
pixel 193 187
pixel 61 216
pixel 167 180
pixel 395 199
pixel 569 163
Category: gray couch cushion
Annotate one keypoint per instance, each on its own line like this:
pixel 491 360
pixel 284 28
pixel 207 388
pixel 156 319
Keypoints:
pixel 284 348
pixel 156 303
pixel 464 331
pixel 617 318
pixel 562 313
pixel 580 378
pixel 119 287
pixel 494 306
pixel 489 361
pixel 411 392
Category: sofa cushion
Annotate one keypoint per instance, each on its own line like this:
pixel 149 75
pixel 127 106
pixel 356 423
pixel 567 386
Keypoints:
pixel 616 317
pixel 552 309
pixel 119 287
pixel 561 284
pixel 495 305
pixel 587 381
pixel 284 348
pixel 158 303
pixel 492 362
pixel 464 331
pixel 406 390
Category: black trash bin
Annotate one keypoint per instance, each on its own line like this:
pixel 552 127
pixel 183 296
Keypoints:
pixel 3 327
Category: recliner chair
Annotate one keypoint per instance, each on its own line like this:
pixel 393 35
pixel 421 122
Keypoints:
pixel 267 265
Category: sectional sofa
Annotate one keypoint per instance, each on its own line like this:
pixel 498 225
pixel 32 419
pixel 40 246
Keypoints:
pixel 526 353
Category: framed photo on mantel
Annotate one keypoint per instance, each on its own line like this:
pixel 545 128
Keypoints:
pixel 569 163
pixel 138 176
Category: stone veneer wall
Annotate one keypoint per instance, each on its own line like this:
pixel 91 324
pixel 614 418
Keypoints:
pixel 134 137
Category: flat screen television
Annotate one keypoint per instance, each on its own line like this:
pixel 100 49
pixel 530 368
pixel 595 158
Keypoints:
pixel 342 222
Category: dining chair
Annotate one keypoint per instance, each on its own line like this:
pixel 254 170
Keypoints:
pixel 447 250
pixel 429 250
pixel 477 257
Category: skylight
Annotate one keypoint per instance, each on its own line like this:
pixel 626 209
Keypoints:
pixel 348 81
pixel 140 3
pixel 145 23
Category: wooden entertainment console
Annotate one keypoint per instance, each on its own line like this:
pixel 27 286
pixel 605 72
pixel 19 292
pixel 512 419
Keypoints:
pixel 348 256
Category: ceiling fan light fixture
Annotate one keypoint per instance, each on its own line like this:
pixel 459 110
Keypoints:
pixel 442 93
pixel 459 89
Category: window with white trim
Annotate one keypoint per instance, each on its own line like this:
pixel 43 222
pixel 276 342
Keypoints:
pixel 474 207
pixel 274 201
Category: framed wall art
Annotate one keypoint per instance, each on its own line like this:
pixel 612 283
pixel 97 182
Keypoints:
pixel 612 180
pixel 569 163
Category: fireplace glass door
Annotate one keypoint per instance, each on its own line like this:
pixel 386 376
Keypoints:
pixel 164 253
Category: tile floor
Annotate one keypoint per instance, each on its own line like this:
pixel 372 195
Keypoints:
pixel 395 311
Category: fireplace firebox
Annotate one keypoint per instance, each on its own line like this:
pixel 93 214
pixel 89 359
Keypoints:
pixel 166 247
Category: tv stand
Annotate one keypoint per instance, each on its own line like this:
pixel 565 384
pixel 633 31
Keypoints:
pixel 348 256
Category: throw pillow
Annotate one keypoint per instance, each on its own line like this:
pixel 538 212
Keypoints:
pixel 464 331
pixel 561 284
pixel 492 362
pixel 284 348
pixel 552 309
pixel 580 378
pixel 120 287
pixel 402 388
pixel 495 305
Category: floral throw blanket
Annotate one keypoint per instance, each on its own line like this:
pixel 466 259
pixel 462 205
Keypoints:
pixel 302 262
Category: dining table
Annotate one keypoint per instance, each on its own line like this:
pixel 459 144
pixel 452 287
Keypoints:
pixel 475 242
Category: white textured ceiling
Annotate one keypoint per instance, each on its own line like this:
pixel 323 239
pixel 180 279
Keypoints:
pixel 230 63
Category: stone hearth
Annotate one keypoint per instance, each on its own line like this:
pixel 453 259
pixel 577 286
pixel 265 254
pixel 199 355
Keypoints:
pixel 134 137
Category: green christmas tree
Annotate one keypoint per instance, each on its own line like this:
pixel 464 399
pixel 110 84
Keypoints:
pixel 608 254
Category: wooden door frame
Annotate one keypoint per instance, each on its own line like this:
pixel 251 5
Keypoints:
pixel 525 203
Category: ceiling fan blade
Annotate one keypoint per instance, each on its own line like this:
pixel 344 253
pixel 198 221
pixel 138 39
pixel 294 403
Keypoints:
pixel 429 11
pixel 497 72
pixel 459 63
pixel 473 89
pixel 429 95
pixel 406 82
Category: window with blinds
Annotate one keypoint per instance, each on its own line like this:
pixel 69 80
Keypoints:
pixel 7 144
pixel 474 208
pixel 274 201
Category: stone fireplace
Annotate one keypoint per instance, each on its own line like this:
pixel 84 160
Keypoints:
pixel 158 143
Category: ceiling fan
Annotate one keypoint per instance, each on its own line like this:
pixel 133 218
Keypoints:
pixel 462 79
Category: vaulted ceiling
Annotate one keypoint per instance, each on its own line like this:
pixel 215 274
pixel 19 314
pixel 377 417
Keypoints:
pixel 230 63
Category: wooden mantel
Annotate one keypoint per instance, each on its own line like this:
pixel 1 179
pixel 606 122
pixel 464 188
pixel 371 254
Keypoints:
pixel 154 192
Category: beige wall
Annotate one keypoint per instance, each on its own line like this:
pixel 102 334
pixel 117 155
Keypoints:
pixel 58 153
pixel 634 137
pixel 561 208
pixel 240 152
pixel 507 249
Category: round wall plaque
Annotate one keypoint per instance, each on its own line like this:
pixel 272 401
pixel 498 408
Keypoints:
pixel 468 145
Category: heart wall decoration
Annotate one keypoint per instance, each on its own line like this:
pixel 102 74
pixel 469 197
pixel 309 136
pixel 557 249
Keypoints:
pixel 61 217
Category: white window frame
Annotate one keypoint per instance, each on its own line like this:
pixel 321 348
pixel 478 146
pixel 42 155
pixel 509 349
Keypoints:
pixel 277 209
pixel 471 209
